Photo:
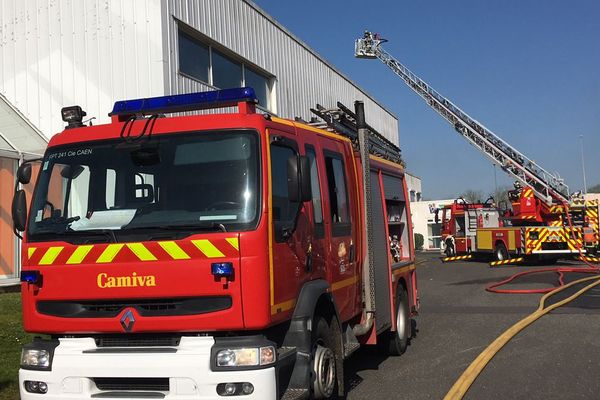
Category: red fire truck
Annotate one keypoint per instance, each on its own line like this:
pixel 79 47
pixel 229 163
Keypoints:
pixel 205 256
pixel 481 228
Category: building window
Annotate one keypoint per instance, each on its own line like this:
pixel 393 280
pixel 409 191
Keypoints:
pixel 194 57
pixel 226 72
pixel 261 85
pixel 206 64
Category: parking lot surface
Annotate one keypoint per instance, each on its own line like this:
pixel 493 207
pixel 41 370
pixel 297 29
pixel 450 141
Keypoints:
pixel 558 357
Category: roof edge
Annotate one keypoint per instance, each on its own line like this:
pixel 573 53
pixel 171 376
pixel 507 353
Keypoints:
pixel 317 55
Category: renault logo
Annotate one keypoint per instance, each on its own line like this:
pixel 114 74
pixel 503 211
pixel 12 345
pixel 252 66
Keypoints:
pixel 127 321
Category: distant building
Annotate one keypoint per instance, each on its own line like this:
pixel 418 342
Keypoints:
pixel 592 196
pixel 423 217
pixel 413 185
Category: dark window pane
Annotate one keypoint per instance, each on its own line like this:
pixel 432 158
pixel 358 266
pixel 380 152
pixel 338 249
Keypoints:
pixel 314 182
pixel 260 84
pixel 283 209
pixel 226 73
pixel 193 57
pixel 338 197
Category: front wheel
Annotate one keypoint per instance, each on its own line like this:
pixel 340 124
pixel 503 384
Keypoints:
pixel 324 368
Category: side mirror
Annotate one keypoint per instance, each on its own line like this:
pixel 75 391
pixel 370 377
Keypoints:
pixel 305 182
pixel 437 215
pixel 71 171
pixel 19 210
pixel 24 173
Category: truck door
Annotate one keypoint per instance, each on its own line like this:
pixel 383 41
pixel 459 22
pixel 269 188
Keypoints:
pixel 341 216
pixel 291 233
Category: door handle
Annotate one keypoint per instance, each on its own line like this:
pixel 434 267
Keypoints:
pixel 308 264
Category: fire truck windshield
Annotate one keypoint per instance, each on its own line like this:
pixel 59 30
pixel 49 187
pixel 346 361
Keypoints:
pixel 174 183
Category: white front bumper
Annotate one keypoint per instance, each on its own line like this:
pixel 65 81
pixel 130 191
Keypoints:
pixel 76 362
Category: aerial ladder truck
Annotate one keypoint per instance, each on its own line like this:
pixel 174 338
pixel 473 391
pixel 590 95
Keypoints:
pixel 537 224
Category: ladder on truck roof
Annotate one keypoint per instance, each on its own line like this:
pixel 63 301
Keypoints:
pixel 342 120
pixel 548 187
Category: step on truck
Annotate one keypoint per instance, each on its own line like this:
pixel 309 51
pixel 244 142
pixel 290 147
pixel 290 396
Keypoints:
pixel 211 256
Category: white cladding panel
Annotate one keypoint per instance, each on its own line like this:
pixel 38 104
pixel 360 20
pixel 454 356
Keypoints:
pixel 56 53
pixel 302 77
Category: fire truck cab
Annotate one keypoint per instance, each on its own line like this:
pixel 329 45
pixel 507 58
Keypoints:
pixel 206 256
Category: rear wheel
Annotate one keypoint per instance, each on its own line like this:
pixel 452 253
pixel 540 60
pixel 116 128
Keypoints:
pixel 501 252
pixel 397 341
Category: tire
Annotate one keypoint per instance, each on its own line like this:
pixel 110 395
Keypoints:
pixel 324 365
pixel 500 252
pixel 397 341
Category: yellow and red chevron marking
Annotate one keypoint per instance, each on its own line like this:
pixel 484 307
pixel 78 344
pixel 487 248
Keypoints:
pixel 536 244
pixel 527 217
pixel 555 223
pixel 589 259
pixel 557 209
pixel 457 258
pixel 573 243
pixel 509 261
pixel 527 192
pixel 168 250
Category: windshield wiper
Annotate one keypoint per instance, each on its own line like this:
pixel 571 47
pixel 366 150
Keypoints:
pixel 180 227
pixel 109 233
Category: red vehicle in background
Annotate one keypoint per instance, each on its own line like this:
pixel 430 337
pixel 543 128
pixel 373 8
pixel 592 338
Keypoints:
pixel 482 229
pixel 213 255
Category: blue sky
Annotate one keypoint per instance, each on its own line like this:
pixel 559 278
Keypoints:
pixel 529 70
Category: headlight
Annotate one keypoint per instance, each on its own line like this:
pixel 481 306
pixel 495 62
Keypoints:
pixel 35 358
pixel 38 354
pixel 246 357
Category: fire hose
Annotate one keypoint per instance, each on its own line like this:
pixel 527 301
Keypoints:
pixel 464 382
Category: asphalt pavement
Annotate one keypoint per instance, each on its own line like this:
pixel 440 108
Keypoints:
pixel 558 357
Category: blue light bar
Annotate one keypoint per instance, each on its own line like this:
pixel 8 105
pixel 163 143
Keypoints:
pixel 31 276
pixel 222 269
pixel 184 102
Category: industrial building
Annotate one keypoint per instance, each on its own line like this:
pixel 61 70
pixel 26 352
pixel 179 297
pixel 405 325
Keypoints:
pixel 57 53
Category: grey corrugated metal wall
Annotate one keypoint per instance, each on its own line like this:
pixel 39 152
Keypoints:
pixel 302 77
pixel 55 53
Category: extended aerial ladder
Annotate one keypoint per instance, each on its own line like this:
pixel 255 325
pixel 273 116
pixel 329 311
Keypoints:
pixel 547 187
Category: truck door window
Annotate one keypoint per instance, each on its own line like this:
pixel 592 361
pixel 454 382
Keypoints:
pixel 284 210
pixel 338 196
pixel 316 192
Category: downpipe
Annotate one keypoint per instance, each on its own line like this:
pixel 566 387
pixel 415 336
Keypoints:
pixel 368 292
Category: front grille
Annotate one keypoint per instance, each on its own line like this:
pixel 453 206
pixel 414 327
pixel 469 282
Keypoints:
pixel 137 341
pixel 145 307
pixel 147 384
pixel 555 246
